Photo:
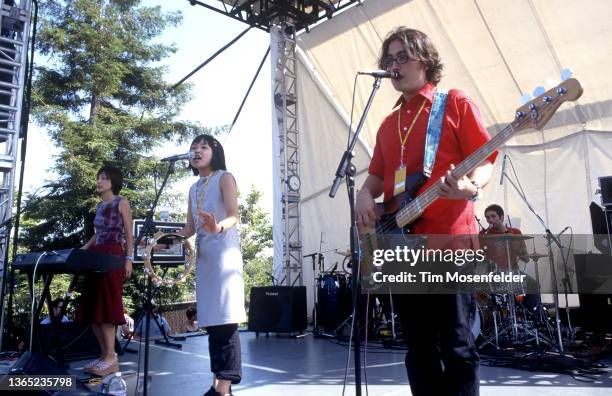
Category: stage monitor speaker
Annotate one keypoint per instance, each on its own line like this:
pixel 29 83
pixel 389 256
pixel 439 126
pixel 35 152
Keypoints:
pixel 601 220
pixel 278 309
pixel 76 341
pixel 595 312
pixel 605 186
pixel 593 274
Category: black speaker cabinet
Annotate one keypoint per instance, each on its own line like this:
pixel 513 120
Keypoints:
pixel 76 341
pixel 593 275
pixel 605 185
pixel 278 309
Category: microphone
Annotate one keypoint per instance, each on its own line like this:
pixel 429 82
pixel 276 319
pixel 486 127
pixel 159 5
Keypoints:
pixel 380 74
pixel 178 157
pixel 501 178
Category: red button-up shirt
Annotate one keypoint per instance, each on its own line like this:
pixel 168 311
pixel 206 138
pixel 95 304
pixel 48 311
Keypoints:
pixel 496 250
pixel 463 133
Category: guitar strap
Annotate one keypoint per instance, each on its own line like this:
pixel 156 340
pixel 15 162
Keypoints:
pixel 434 130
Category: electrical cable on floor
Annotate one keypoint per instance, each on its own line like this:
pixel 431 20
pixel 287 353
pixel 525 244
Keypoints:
pixel 579 369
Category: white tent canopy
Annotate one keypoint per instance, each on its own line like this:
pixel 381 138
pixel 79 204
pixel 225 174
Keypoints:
pixel 495 51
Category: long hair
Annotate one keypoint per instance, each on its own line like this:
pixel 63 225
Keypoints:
pixel 418 46
pixel 218 155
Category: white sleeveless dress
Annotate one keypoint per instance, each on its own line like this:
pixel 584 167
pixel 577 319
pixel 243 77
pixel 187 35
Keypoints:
pixel 219 283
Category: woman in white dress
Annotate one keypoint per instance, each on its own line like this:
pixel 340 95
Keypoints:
pixel 212 214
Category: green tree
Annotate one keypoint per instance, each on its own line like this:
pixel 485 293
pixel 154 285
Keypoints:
pixel 103 99
pixel 256 242
pixel 100 93
pixel 256 247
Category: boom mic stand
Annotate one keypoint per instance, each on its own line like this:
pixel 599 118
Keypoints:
pixel 148 228
pixel 346 170
pixel 551 238
pixel 567 286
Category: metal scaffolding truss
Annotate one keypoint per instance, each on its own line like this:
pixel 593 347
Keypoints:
pixel 283 19
pixel 14 36
pixel 263 14
pixel 286 107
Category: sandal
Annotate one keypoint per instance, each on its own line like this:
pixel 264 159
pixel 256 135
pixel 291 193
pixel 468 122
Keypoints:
pixel 91 364
pixel 104 368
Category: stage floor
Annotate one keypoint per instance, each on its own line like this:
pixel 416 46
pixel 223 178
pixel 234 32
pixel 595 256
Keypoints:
pixel 307 366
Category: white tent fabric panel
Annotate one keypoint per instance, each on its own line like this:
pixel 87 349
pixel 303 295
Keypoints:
pixel 494 51
pixel 322 144
pixel 559 180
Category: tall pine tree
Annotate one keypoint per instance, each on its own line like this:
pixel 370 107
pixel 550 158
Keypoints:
pixel 102 97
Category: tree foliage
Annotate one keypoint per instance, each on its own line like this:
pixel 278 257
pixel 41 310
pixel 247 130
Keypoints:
pixel 256 242
pixel 101 96
pixel 103 99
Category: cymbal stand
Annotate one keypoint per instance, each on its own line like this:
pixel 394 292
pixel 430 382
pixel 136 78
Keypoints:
pixel 316 257
pixel 511 296
pixel 540 310
pixel 393 332
pixel 508 292
pixel 496 332
pixel 512 304
pixel 567 287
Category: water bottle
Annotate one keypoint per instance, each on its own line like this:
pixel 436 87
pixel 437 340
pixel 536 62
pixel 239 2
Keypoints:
pixel 117 386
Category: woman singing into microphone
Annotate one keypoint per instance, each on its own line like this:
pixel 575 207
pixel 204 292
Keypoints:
pixel 212 214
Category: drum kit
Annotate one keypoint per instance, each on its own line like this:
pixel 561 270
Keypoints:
pixel 505 315
pixel 333 302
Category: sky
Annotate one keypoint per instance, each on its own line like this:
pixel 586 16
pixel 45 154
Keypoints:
pixel 217 91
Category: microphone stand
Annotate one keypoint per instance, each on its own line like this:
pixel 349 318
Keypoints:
pixel 148 228
pixel 480 227
pixel 550 237
pixel 346 170
pixel 567 286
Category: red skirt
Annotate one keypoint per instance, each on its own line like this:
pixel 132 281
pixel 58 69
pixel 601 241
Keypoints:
pixel 102 296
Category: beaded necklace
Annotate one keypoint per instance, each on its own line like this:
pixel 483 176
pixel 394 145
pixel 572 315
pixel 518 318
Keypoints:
pixel 201 190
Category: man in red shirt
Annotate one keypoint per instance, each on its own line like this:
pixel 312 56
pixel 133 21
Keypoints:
pixel 441 358
pixel 496 249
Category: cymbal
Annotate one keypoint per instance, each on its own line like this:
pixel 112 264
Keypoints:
pixel 536 256
pixel 506 237
pixel 345 254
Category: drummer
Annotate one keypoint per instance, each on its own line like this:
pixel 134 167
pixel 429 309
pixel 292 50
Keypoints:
pixel 496 248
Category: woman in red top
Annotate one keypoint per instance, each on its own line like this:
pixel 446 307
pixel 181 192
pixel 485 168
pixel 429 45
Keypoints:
pixel 102 303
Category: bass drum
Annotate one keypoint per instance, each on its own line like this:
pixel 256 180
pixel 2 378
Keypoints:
pixel 334 300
